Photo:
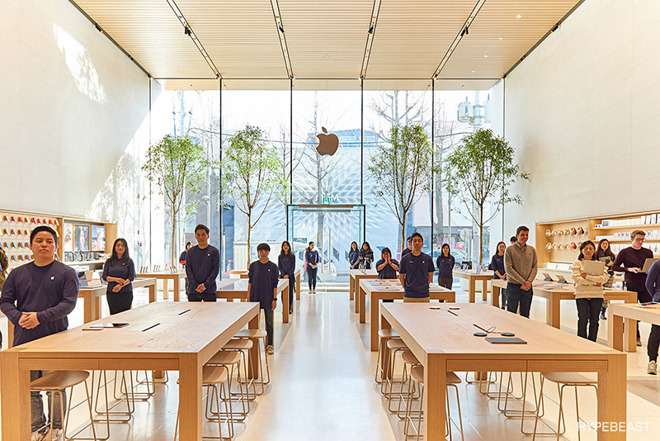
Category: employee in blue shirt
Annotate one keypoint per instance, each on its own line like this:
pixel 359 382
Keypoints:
pixel 653 287
pixel 445 263
pixel 311 263
pixel 263 276
pixel 286 263
pixel 37 298
pixel 387 267
pixel 202 267
pixel 366 256
pixel 497 262
pixel 408 249
pixel 353 255
pixel 416 272
pixel 119 272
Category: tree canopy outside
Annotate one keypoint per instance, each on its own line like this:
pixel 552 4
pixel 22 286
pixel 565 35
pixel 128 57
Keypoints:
pixel 480 172
pixel 176 165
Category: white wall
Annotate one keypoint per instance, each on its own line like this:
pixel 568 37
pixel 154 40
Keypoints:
pixel 582 110
pixel 73 117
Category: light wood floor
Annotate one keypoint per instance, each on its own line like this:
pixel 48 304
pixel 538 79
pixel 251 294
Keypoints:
pixel 323 386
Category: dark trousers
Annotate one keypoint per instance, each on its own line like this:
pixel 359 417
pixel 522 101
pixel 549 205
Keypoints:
pixel 119 301
pixel 311 277
pixel 203 297
pixel 515 296
pixel 643 296
pixel 654 342
pixel 292 289
pixel 446 283
pixel 268 317
pixel 588 310
pixel 37 406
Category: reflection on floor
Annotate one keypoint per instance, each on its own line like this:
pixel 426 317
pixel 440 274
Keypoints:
pixel 323 387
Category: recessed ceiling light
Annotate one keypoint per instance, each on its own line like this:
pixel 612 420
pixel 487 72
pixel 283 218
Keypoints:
pixel 518 16
pixel 501 38
pixel 485 56
pixel 473 71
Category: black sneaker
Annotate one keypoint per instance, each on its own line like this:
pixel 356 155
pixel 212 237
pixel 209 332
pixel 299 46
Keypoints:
pixel 603 316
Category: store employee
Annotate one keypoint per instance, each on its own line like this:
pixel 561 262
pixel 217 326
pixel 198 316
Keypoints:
pixel 202 267
pixel 416 272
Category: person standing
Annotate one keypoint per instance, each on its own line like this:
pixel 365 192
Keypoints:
pixel 263 276
pixel 416 272
pixel 605 254
pixel 521 266
pixel 653 287
pixel 497 265
pixel 182 260
pixel 631 261
pixel 353 256
pixel 202 267
pixel 409 248
pixel 366 256
pixel 387 267
pixel 513 239
pixel 37 298
pixel 588 292
pixel 311 264
pixel 445 263
pixel 119 272
pixel 286 263
pixel 4 264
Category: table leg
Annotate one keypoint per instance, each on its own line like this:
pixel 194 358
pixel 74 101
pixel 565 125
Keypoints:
pixel 630 335
pixel 10 334
pixel 435 388
pixel 298 287
pixel 384 353
pixel 285 305
pixel 552 314
pixel 495 296
pixel 351 288
pixel 356 287
pixel 484 290
pixel 253 354
pixel 614 330
pixel 177 287
pixel 15 386
pixel 88 307
pixel 190 397
pixel 166 294
pixel 612 391
pixel 152 293
pixel 375 316
pixel 97 307
pixel 473 290
pixel 361 297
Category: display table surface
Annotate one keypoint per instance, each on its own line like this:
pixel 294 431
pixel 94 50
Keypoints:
pixel 619 335
pixel 443 342
pixel 160 336
pixel 391 289
pixel 165 276
pixel 472 277
pixel 236 289
pixel 355 276
pixel 296 274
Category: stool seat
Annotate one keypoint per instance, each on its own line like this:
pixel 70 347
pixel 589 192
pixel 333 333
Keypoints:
pixel 213 375
pixel 59 380
pixel 239 344
pixel 409 357
pixel 417 372
pixel 225 357
pixel 387 333
pixel 252 333
pixel 396 344
pixel 569 378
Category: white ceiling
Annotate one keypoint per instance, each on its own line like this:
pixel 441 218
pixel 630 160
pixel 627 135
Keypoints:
pixel 326 40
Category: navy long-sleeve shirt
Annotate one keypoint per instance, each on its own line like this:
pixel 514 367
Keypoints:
pixel 353 258
pixel 417 270
pixel 632 258
pixel 312 256
pixel 51 291
pixel 497 264
pixel 653 281
pixel 445 266
pixel 202 266
pixel 365 258
pixel 263 278
pixel 287 265
pixel 387 272
pixel 122 268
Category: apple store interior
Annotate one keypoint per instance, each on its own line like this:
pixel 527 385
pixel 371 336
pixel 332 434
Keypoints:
pixel 445 199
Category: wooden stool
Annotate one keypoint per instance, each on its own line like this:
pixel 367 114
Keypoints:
pixel 394 346
pixel 55 383
pixel 383 336
pixel 230 361
pixel 409 362
pixel 243 347
pixel 259 335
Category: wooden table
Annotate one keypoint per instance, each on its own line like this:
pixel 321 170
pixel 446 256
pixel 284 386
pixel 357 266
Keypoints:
pixel 443 342
pixel 355 276
pixel 380 289
pixel 296 274
pixel 165 276
pixel 556 295
pixel 236 289
pixel 473 278
pixel 187 335
pixel 497 286
pixel 92 296
pixel 617 334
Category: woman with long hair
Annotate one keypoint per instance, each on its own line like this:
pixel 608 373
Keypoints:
pixel 387 267
pixel 311 264
pixel 365 256
pixel 353 255
pixel 119 271
pixel 588 291
pixel 497 262
pixel 286 262
pixel 445 264
pixel 605 254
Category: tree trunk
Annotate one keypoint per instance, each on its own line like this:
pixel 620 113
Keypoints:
pixel 173 237
pixel 249 237
pixel 481 234
pixel 403 231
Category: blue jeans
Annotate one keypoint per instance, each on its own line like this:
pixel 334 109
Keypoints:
pixel 515 296
pixel 37 406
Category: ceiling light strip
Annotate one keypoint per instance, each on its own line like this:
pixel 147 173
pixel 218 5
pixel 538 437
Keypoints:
pixel 280 33
pixel 188 30
pixel 463 32
pixel 371 32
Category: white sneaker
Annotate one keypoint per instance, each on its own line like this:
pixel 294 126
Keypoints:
pixel 39 435
pixel 55 435
pixel 652 368
pixel 270 349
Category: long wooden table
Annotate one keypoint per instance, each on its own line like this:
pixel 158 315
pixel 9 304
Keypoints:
pixel 391 289
pixel 444 342
pixel 160 336
pixel 484 276
pixel 497 286
pixel 355 276
pixel 165 276
pixel 296 274
pixel 622 337
pixel 236 289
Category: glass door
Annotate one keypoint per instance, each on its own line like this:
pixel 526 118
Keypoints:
pixel 332 228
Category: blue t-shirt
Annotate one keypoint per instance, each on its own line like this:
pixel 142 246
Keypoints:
pixel 445 266
pixel 202 266
pixel 388 272
pixel 122 268
pixel 416 269
pixel 264 278
pixel 497 264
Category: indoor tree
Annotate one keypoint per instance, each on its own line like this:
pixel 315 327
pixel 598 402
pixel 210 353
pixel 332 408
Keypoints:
pixel 402 171
pixel 479 172
pixel 252 175
pixel 176 165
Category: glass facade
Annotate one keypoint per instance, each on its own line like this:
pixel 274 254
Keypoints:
pixel 325 141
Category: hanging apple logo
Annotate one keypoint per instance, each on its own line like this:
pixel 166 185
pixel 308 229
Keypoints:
pixel 328 143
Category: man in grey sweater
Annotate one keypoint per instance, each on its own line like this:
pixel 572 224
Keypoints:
pixel 521 267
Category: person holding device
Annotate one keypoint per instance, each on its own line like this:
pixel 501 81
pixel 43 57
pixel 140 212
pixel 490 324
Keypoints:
pixel 605 254
pixel 589 294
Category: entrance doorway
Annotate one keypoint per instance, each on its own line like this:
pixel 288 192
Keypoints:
pixel 332 228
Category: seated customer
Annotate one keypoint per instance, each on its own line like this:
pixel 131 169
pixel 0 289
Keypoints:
pixel 387 267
